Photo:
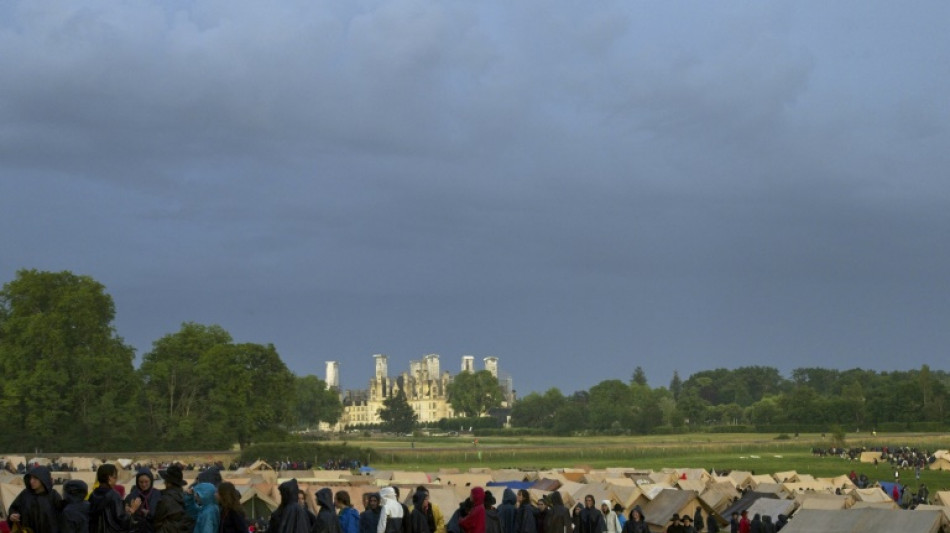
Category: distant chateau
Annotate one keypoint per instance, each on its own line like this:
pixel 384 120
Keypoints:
pixel 425 386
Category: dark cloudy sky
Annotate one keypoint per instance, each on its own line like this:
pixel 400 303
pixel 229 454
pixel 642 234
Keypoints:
pixel 575 187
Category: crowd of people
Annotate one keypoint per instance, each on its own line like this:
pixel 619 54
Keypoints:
pixel 339 463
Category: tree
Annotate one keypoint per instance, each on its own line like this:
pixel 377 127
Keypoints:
pixel 610 405
pixel 474 393
pixel 676 385
pixel 639 377
pixel 68 377
pixel 249 393
pixel 314 402
pixel 537 410
pixel 397 415
pixel 174 390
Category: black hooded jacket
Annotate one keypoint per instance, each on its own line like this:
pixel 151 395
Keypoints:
pixel 418 520
pixel 107 512
pixel 369 519
pixel 169 515
pixel 290 516
pixel 507 511
pixel 636 526
pixel 76 508
pixel 526 516
pixel 145 516
pixel 326 522
pixel 558 518
pixel 39 512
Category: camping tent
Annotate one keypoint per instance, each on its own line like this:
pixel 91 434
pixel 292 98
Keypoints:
pixel 863 521
pixel 667 503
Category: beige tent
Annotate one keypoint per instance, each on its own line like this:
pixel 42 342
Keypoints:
pixel 870 457
pixel 667 503
pixel 465 480
pixel 786 477
pixel 863 521
pixel 691 484
pixel 874 494
pixel 940 464
pixel 761 479
pixel 942 497
pixel 88 464
pixel 771 507
pixel 697 474
pixel 823 501
pixel 257 503
pixel 740 479
pixel 944 510
pixel 842 482
pixel 406 477
pixel 8 493
pixel 875 505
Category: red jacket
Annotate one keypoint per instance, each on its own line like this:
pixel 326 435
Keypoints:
pixel 474 521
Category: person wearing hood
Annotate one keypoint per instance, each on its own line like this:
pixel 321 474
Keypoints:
pixel 698 521
pixel 212 475
pixel 591 520
pixel 474 521
pixel 433 513
pixel 76 508
pixel 610 517
pixel 169 515
pixel 418 521
pixel 767 525
pixel 781 522
pixel 107 512
pixel 38 506
pixel 349 517
pixel 369 518
pixel 290 516
pixel 636 522
pixel 202 506
pixel 391 514
pixel 558 518
pixel 526 515
pixel 453 525
pixel 755 526
pixel 145 491
pixel 508 510
pixel 327 521
pixel 712 525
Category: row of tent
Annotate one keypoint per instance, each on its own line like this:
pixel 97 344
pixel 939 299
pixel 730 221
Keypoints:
pixel 834 504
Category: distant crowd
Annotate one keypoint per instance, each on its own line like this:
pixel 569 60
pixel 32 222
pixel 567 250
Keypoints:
pixel 56 466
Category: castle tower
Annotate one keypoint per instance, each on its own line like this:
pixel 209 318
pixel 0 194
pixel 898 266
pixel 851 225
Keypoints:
pixel 382 366
pixel 432 365
pixel 491 365
pixel 333 375
pixel 468 363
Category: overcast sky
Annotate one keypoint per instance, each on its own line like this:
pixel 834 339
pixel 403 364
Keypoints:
pixel 577 188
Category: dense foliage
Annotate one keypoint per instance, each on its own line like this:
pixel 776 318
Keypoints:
pixel 758 397
pixel 69 383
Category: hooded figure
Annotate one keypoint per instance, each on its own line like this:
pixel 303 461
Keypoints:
pixel 349 517
pixel 767 525
pixel 76 510
pixel 145 491
pixel 507 511
pixel 202 506
pixel 591 518
pixel 755 526
pixel 107 511
pixel 369 518
pixel 169 515
pixel 558 518
pixel 610 517
pixel 698 521
pixel 453 525
pixel 327 521
pixel 37 506
pixel 211 475
pixel 782 522
pixel 290 516
pixel 418 521
pixel 636 522
pixel 526 515
pixel 474 521
pixel 492 520
pixel 390 514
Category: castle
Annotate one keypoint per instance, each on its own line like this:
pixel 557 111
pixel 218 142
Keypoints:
pixel 425 387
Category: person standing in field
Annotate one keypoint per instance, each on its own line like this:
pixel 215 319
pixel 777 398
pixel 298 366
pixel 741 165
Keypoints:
pixel 525 514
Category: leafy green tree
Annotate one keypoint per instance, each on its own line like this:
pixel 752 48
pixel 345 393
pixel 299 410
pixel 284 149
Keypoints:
pixel 676 385
pixel 314 402
pixel 572 417
pixel 610 405
pixel 249 392
pixel 68 377
pixel 397 415
pixel 474 393
pixel 537 410
pixel 174 389
pixel 639 377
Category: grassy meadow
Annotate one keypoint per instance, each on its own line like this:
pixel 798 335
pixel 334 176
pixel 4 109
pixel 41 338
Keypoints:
pixel 761 453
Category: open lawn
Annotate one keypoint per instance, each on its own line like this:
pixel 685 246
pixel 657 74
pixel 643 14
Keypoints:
pixel 761 453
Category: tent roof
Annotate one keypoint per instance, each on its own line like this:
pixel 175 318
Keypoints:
pixel 863 521
pixel 873 494
pixel 942 497
pixel 823 501
pixel 869 457
pixel 659 511
pixel 746 501
pixel 771 507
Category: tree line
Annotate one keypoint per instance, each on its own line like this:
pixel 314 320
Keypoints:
pixel 747 397
pixel 68 381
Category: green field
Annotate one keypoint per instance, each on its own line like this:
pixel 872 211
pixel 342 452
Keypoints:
pixel 761 453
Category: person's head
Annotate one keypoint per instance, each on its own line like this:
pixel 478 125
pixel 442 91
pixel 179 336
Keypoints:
pixel 542 505
pixel 618 508
pixel 605 506
pixel 372 501
pixel 342 499
pixel 301 497
pixel 735 515
pixel 588 501
pixel 577 509
pixel 36 485
pixel 523 496
pixel 107 474
pixel 143 481
pixel 636 515
pixel 229 498
pixel 687 520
